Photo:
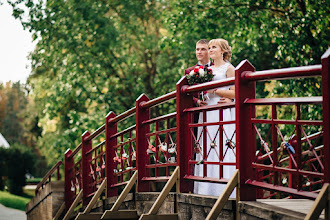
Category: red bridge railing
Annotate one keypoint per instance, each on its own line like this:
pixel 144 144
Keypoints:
pixel 286 163
pixel 48 176
pixel 272 162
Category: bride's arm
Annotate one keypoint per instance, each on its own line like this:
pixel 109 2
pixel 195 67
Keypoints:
pixel 231 92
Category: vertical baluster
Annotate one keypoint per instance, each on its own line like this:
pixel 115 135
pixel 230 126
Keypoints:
pixel 168 145
pixel 130 145
pixel 204 144
pixel 58 173
pixel 221 152
pixel 184 143
pixel 157 143
pixel 121 157
pixel 274 143
pixel 86 162
pixel 142 114
pixel 243 90
pixel 326 114
pixel 298 149
pixel 110 165
pixel 68 176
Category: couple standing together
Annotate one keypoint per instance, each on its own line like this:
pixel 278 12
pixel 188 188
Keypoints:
pixel 220 52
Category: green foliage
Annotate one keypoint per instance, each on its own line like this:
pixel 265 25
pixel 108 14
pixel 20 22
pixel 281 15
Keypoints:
pixel 19 121
pixel 13 101
pixel 13 201
pixel 93 57
pixel 16 161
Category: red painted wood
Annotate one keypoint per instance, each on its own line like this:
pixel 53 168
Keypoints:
pixel 68 176
pixel 244 140
pixel 123 115
pixel 96 133
pixel 286 101
pixel 287 170
pixel 298 194
pixel 110 142
pixel 142 114
pixel 206 179
pixel 326 111
pixel 293 72
pixel 86 158
pixel 209 85
pixel 159 100
pixel 184 139
pixel 274 144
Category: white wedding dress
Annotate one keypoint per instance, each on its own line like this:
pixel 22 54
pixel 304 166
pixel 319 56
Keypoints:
pixel 207 188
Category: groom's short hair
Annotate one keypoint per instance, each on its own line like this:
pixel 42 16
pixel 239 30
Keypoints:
pixel 203 41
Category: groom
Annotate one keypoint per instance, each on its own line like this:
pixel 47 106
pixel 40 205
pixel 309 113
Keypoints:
pixel 202 55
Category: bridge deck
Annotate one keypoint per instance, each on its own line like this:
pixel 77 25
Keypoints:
pixel 297 205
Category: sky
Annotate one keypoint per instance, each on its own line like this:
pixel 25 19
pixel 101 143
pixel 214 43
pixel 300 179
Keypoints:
pixel 15 46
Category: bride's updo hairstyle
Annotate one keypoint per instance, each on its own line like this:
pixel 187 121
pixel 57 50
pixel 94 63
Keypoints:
pixel 224 46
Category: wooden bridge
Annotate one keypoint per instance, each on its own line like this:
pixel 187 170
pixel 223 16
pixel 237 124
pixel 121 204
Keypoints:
pixel 278 160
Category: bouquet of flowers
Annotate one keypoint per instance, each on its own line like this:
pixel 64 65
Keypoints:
pixel 199 74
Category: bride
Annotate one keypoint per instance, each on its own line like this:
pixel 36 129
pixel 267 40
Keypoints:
pixel 220 52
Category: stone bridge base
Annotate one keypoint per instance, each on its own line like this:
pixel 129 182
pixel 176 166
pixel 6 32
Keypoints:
pixel 47 202
pixel 189 206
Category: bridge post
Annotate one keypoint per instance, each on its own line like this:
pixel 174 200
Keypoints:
pixel 68 177
pixel 86 169
pixel 142 114
pixel 110 129
pixel 326 112
pixel 184 145
pixel 245 135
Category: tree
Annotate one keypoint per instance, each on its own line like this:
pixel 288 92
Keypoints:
pixel 16 162
pixel 93 57
pixel 96 56
pixel 18 122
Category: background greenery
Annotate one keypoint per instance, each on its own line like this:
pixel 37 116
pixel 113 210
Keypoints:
pixel 93 57
pixel 13 201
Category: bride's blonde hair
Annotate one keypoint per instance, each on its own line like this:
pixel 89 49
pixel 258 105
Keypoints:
pixel 224 46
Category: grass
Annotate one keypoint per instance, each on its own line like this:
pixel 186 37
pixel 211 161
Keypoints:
pixel 13 201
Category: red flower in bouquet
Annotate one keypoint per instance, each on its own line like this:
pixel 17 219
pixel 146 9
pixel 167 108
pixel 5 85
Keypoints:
pixel 199 74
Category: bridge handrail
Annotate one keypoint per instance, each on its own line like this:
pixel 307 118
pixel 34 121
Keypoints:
pixel 76 150
pixel 48 176
pixel 161 99
pixel 209 85
pixel 123 115
pixel 285 73
pixel 96 133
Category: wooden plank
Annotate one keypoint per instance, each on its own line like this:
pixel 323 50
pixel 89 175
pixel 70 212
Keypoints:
pixel 73 205
pixel 122 214
pixel 125 192
pixel 89 216
pixel 96 196
pixel 160 199
pixel 171 216
pixel 114 209
pixel 223 198
pixel 59 212
pixel 320 203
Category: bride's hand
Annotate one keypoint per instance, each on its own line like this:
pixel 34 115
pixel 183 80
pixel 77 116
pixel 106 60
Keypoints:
pixel 225 100
pixel 201 103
